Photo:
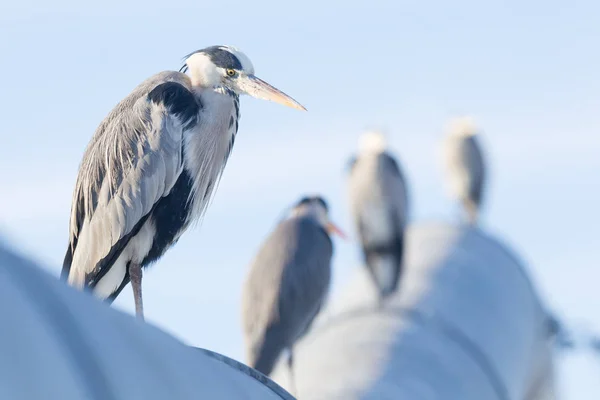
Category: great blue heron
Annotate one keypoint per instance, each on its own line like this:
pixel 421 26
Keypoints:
pixel 379 206
pixel 152 165
pixel 287 284
pixel 464 166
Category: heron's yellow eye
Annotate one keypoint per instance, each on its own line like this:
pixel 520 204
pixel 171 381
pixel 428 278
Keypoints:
pixel 231 72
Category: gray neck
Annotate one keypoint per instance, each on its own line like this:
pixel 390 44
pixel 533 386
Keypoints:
pixel 208 146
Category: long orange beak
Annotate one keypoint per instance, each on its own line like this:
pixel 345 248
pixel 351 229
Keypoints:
pixel 332 228
pixel 260 89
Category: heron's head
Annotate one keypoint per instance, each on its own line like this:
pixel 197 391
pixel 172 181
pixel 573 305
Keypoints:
pixel 316 207
pixel 462 127
pixel 227 68
pixel 372 142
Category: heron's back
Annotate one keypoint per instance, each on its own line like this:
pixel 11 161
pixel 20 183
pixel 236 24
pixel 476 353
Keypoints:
pixel 288 281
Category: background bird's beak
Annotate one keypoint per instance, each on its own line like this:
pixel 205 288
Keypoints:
pixel 332 228
pixel 260 89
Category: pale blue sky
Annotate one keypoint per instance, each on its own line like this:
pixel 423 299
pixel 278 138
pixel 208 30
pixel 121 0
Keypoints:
pixel 529 74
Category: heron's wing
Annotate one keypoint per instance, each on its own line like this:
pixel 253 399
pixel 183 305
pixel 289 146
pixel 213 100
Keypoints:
pixel 288 283
pixel 134 159
pixel 306 277
pixel 464 165
pixel 473 159
pixel 379 200
pixel 394 184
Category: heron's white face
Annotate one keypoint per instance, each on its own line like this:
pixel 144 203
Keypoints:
pixel 227 68
pixel 462 127
pixel 372 142
pixel 315 208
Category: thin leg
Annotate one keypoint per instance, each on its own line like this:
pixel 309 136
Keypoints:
pixel 471 212
pixel 291 371
pixel 135 274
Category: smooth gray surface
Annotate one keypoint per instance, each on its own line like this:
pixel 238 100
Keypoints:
pixel 466 324
pixel 58 343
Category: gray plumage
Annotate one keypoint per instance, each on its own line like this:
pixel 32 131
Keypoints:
pixel 130 166
pixel 465 168
pixel 151 167
pixel 286 287
pixel 379 206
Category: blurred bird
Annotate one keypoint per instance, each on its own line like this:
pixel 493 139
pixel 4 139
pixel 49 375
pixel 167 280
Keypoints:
pixel 287 284
pixel 464 166
pixel 559 333
pixel 379 206
pixel 152 166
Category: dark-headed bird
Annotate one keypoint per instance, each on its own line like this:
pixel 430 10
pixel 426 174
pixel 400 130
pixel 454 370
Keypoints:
pixel 379 206
pixel 287 284
pixel 464 166
pixel 151 167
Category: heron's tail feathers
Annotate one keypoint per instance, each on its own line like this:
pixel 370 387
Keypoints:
pixel 66 268
pixel 385 266
pixel 263 358
pixel 265 363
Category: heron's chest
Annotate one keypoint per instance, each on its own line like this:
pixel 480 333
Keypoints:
pixel 365 183
pixel 369 201
pixel 219 115
pixel 207 146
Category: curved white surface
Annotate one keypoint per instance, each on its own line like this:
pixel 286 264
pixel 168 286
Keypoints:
pixel 57 343
pixel 466 324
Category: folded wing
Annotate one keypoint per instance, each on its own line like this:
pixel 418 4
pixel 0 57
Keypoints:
pixel 133 160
